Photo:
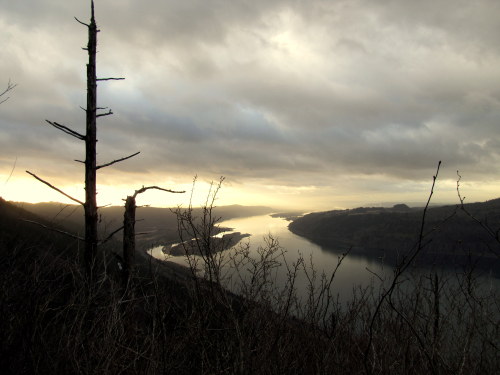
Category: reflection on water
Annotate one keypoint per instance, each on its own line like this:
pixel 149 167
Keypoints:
pixel 352 272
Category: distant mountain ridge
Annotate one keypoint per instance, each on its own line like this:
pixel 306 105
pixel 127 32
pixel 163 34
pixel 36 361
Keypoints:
pixel 17 229
pixel 160 224
pixel 389 232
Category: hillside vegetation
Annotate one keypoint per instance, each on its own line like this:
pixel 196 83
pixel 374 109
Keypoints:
pixel 170 320
pixel 452 233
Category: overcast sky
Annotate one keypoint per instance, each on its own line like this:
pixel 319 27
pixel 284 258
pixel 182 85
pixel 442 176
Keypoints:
pixel 318 103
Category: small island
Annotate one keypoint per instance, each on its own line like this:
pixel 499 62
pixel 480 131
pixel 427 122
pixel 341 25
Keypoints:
pixel 220 243
pixel 288 216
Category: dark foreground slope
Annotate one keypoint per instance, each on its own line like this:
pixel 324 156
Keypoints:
pixel 450 233
pixel 166 322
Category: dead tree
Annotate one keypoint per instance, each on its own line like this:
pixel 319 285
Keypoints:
pixel 129 231
pixel 90 206
pixel 90 139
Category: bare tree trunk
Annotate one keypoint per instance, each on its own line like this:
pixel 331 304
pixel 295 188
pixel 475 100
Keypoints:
pixel 90 138
pixel 128 238
pixel 90 152
pixel 129 231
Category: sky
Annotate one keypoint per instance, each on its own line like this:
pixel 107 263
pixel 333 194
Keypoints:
pixel 316 104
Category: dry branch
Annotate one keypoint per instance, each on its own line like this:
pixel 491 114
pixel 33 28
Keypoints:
pixel 143 189
pixel 83 23
pixel 110 112
pixel 110 79
pixel 117 160
pixel 66 130
pixel 56 189
pixel 10 86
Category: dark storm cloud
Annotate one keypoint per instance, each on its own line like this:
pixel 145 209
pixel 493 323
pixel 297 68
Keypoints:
pixel 269 90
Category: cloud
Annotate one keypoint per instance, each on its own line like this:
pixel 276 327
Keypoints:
pixel 283 93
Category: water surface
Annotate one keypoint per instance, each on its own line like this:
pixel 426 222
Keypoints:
pixel 354 270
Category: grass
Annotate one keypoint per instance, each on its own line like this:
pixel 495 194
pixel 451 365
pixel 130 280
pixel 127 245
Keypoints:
pixel 166 321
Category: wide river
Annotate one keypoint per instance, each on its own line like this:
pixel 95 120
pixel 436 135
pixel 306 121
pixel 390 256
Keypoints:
pixel 354 270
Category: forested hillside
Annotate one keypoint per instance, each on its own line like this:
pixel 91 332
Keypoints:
pixel 450 232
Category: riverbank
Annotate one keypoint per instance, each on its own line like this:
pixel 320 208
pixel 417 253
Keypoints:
pixel 194 247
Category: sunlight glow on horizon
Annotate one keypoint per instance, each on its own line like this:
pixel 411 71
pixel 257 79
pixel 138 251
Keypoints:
pixel 281 198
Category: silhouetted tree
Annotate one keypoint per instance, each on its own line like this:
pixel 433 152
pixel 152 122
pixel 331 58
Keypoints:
pixel 129 231
pixel 90 139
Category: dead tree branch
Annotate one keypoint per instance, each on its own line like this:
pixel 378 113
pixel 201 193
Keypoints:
pixel 110 79
pixel 83 23
pixel 110 112
pixel 117 161
pixel 143 189
pixel 56 189
pixel 10 86
pixel 66 130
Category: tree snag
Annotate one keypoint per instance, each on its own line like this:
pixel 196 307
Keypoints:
pixel 129 230
pixel 90 138
pixel 90 206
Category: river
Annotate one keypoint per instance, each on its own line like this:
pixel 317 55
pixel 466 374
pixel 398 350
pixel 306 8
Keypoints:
pixel 354 270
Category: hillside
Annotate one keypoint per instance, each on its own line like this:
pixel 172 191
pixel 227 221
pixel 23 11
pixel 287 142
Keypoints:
pixel 158 224
pixel 53 322
pixel 17 229
pixel 450 233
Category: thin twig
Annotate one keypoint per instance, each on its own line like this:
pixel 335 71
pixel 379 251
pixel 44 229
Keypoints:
pixel 11 171
pixel 404 264
pixel 10 86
